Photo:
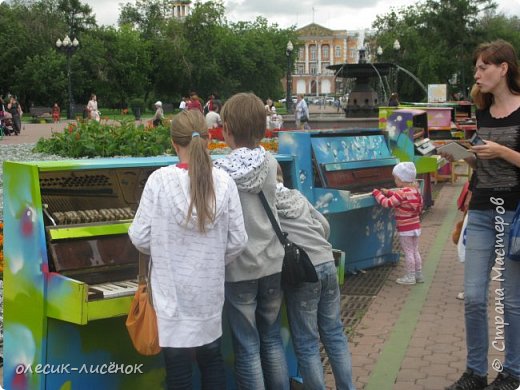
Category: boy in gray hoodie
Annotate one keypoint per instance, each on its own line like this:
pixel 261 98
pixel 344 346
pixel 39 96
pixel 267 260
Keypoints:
pixel 314 308
pixel 253 292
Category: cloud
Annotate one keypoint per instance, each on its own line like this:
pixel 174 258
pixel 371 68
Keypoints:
pixel 333 14
pixel 106 11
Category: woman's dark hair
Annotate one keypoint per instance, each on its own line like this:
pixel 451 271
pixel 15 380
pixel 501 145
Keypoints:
pixel 496 53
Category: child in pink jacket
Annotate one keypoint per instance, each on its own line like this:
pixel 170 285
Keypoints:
pixel 407 203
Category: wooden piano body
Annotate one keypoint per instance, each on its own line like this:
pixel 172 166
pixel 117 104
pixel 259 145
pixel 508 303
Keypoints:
pixel 336 170
pixel 63 326
pixel 55 330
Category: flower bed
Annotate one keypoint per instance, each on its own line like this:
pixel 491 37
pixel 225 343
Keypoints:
pixel 101 139
pixel 220 147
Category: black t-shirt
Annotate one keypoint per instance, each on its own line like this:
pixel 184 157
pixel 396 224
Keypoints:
pixel 497 178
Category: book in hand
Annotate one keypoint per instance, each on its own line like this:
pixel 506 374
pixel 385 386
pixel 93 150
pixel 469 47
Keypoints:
pixel 458 151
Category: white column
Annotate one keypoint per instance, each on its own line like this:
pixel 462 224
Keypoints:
pixel 332 52
pixel 306 58
pixel 345 50
pixel 318 47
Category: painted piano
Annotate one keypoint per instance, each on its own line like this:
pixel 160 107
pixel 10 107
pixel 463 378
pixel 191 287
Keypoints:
pixel 337 170
pixel 71 274
pixel 408 132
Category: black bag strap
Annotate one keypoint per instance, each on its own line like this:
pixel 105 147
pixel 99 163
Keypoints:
pixel 276 226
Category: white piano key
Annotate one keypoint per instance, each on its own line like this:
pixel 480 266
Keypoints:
pixel 116 289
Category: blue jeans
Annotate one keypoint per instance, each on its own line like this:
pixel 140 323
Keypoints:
pixel 178 364
pixel 314 313
pixel 483 246
pixel 253 312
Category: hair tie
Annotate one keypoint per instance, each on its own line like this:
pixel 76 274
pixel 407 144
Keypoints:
pixel 195 134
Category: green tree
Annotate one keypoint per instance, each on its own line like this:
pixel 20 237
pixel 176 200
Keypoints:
pixel 262 50
pixel 171 73
pixel 78 16
pixel 28 29
pixel 500 26
pixel 129 62
pixel 147 16
pixel 42 79
pixel 436 37
pixel 245 56
pixel 150 55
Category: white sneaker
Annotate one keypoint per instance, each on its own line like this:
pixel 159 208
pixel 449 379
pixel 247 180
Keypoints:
pixel 460 296
pixel 407 279
pixel 419 277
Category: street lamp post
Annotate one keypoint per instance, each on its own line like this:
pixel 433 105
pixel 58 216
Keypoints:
pixel 397 47
pixel 69 47
pixel 288 98
pixel 379 52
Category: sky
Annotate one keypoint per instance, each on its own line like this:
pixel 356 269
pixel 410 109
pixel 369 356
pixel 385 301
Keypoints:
pixel 333 14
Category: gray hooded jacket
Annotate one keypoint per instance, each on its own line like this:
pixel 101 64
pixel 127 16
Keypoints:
pixel 305 226
pixel 254 170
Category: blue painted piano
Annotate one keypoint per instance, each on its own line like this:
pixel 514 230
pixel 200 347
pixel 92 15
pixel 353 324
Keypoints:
pixel 337 170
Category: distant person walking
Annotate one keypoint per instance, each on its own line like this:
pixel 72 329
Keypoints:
pixel 159 114
pixel 56 113
pixel 194 102
pixel 92 108
pixel 183 103
pixel 301 113
pixel 394 100
pixel 16 112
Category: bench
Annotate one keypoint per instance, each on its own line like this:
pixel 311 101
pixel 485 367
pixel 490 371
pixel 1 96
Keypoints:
pixel 39 113
pixel 79 110
pixel 167 107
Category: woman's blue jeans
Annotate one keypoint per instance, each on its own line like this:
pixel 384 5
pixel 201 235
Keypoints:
pixel 253 312
pixel 179 361
pixel 314 313
pixel 486 248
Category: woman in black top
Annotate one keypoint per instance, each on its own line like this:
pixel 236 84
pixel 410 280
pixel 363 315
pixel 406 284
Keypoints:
pixel 495 196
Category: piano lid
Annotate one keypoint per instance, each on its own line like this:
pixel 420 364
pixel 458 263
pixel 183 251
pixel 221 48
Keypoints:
pixel 328 150
pixel 357 163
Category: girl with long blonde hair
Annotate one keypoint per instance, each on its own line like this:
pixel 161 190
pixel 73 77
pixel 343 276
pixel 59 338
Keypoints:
pixel 190 221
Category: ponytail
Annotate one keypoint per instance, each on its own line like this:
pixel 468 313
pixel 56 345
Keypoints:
pixel 189 129
pixel 202 190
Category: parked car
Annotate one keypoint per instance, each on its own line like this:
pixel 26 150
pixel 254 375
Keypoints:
pixel 283 100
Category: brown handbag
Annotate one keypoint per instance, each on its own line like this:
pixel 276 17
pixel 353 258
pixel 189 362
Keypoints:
pixel 141 322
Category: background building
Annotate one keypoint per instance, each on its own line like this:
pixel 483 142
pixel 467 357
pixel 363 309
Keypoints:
pixel 317 48
pixel 181 8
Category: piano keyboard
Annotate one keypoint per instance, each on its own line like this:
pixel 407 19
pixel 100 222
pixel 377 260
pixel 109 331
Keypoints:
pixel 90 216
pixel 112 289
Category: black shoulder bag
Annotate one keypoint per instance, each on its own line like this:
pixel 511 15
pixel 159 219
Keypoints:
pixel 297 268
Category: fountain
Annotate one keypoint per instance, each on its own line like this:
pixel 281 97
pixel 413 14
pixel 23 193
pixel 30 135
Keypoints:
pixel 363 100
